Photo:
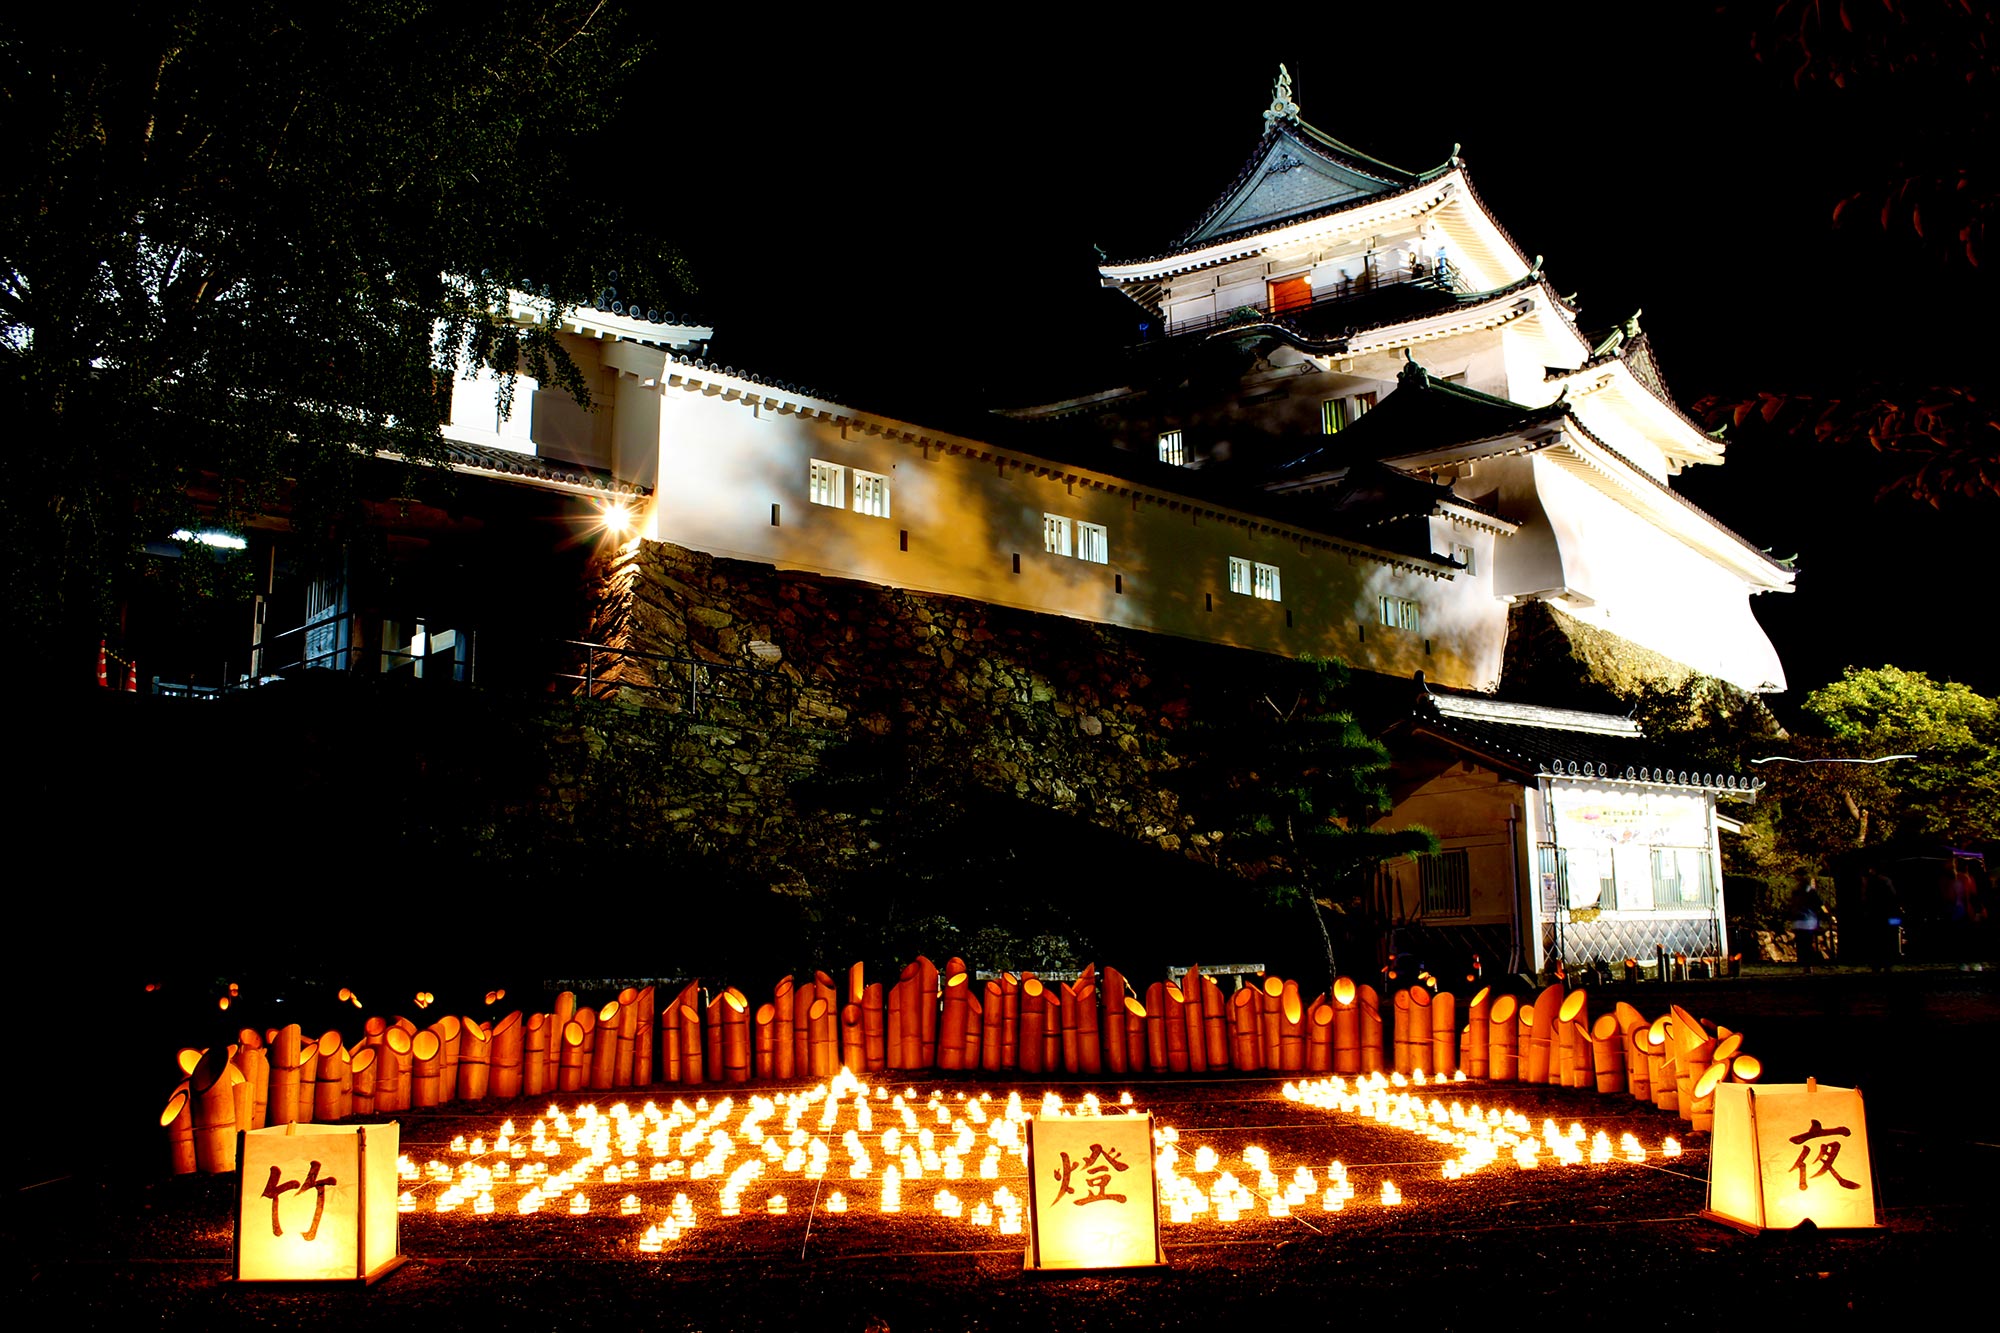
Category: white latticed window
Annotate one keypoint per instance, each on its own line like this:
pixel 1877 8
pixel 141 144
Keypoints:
pixel 1055 534
pixel 1254 579
pixel 1172 450
pixel 1265 582
pixel 1337 414
pixel 828 484
pixel 871 494
pixel 1401 613
pixel 1463 554
pixel 1093 543
pixel 1239 575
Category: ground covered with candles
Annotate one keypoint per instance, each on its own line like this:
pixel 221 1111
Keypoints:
pixel 870 1205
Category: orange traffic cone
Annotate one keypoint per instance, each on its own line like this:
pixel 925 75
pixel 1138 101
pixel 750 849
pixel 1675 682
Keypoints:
pixel 131 678
pixel 103 681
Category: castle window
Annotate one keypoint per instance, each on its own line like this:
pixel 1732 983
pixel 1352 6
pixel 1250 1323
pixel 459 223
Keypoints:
pixel 1254 579
pixel 829 484
pixel 1337 414
pixel 1055 534
pixel 871 494
pixel 1463 554
pixel 1447 883
pixel 1172 450
pixel 1093 543
pixel 1291 294
pixel 1401 613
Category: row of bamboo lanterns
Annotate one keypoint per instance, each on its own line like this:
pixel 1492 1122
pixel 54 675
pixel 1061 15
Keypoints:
pixel 931 1019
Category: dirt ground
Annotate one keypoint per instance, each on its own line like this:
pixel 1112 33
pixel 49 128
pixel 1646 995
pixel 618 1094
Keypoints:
pixel 113 1247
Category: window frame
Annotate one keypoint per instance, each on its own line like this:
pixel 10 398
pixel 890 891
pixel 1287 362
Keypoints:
pixel 1444 883
pixel 835 475
pixel 864 483
pixel 1400 613
pixel 1093 542
pixel 1173 448
pixel 1265 583
pixel 1056 533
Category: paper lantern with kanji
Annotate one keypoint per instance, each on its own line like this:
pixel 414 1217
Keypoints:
pixel 1092 1201
pixel 1785 1154
pixel 317 1203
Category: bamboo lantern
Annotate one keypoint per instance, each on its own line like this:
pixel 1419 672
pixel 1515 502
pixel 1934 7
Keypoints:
pixel 569 1062
pixel 690 1039
pixel 1171 1013
pixel 333 1065
pixel 1726 1046
pixel 1246 1042
pixel 1346 1028
pixel 892 1027
pixel 1089 1042
pixel 426 1069
pixel 1029 1044
pixel 905 1035
pixel 851 1041
pixel 1628 1017
pixel 586 1022
pixel 1745 1069
pixel 1319 1037
pixel 827 1028
pixel 1112 1025
pixel 535 1055
pixel 212 1086
pixel 1478 1035
pixel 975 1027
pixel 1064 996
pixel 188 1057
pixel 600 1045
pixel 1371 1029
pixel 254 1063
pixel 1215 1024
pixel 927 1011
pixel 367 1063
pixel 1444 1034
pixel 1399 1029
pixel 282 1106
pixel 1607 1054
pixel 1637 1083
pixel 642 1036
pixel 874 1035
pixel 1701 1109
pixel 626 1060
pixel 1503 1062
pixel 560 1015
pixel 1135 1035
pixel 392 1071
pixel 736 1036
pixel 957 1013
pixel 784 1049
pixel 823 1057
pixel 1156 1027
pixel 1052 1049
pixel 1271 1020
pixel 308 1081
pixel 989 1034
pixel 1693 1047
pixel 178 1121
pixel 1538 1050
pixel 712 1068
pixel 1419 1036
pixel 1291 1029
pixel 475 1055
pixel 448 1028
pixel 1573 1032
pixel 857 980
pixel 318 1206
pixel 1194 1018
pixel 1010 1021
pixel 1660 1070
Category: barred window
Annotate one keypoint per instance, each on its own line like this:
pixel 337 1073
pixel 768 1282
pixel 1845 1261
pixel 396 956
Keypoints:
pixel 1239 575
pixel 1447 883
pixel 828 485
pixel 871 494
pixel 1055 534
pixel 1401 613
pixel 1093 543
pixel 1682 877
pixel 1265 582
pixel 1172 450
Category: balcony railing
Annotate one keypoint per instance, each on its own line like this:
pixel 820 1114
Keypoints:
pixel 1441 277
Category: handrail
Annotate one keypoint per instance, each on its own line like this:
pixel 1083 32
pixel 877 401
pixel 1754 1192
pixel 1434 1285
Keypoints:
pixel 1440 277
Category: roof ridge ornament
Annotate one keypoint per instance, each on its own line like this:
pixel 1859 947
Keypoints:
pixel 1282 106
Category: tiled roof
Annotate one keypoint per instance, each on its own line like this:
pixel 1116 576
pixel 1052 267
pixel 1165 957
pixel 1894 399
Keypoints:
pixel 1422 412
pixel 1321 146
pixel 1530 741
pixel 481 458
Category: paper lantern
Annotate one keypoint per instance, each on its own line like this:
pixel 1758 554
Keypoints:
pixel 1784 1154
pixel 317 1203
pixel 1092 1201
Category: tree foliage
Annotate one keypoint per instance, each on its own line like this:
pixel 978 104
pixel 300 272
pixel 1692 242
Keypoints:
pixel 1294 784
pixel 243 246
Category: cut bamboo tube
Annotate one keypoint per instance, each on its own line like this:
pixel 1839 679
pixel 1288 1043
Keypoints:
pixel 736 1036
pixel 910 1030
pixel 448 1029
pixel 1113 1031
pixel 927 1012
pixel 1637 1083
pixel 1399 1029
pixel 642 1029
pixel 991 1049
pixel 332 1068
pixel 712 1068
pixel 1064 995
pixel 308 1081
pixel 767 1051
pixel 1628 1017
pixel 254 1063
pixel 1319 1037
pixel 1010 1021
pixel 1135 1035
pixel 1444 1034
pixel 1745 1069
pixel 178 1121
pixel 1246 1021
pixel 874 1034
pixel 475 1053
pixel 689 1013
pixel 1170 1008
pixel 1346 1027
pixel 1157 1057
pixel 892 1026
pixel 857 981
pixel 852 1043
pixel 784 1046
pixel 1194 1018
pixel 282 1103
pixel 1052 1049
pixel 1214 1024
pixel 1270 1015
pixel 586 1021
pixel 824 1049
pixel 569 1061
pixel 1370 1005
pixel 625 1063
pixel 1540 1054
pixel 392 1076
pixel 426 1069
pixel 1701 1113
pixel 212 1086
pixel 957 1013
pixel 1502 1038
pixel 602 1070
pixel 367 1064
pixel 1030 1044
pixel 560 1014
pixel 1420 1029
pixel 535 1055
pixel 975 1029
pixel 1573 1023
pixel 1726 1047
pixel 1478 1038
pixel 1607 1054
pixel 1089 1041
pixel 189 1056
pixel 1291 1029
pixel 1660 1069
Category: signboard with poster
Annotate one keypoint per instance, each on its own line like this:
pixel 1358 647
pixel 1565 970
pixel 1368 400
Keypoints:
pixel 1093 1201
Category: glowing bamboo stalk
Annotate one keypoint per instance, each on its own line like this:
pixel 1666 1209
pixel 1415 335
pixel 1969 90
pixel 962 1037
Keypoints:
pixel 736 1036
pixel 761 1027
pixel 1701 1112
pixel 1444 1034
pixel 975 1028
pixel 1194 1019
pixel 601 1038
pixel 857 981
pixel 570 1071
pixel 911 1044
pixel 927 1012
pixel 784 1050
pixel 1113 1023
pixel 1478 1035
pixel 1270 1020
pixel 1066 1022
pixel 254 1063
pixel 989 1037
pixel 1415 1037
pixel 1319 1037
pixel 951 1039
pixel 1052 1052
pixel 367 1065
pixel 1215 1024
pixel 426 1069
pixel 874 1036
pixel 712 1067
pixel 1370 1005
pixel 1030 1046
pixel 333 1070
pixel 687 1014
pixel 1503 1057
pixel 1170 1009
pixel 282 1103
pixel 1291 1028
pixel 824 1051
pixel 642 1037
pixel 1346 1027
pixel 1246 1029
pixel 1540 1053
pixel 1135 1036
pixel 1745 1069
pixel 448 1028
pixel 535 1055
pixel 475 1051
pixel 178 1120
pixel 308 1081
pixel 212 1086
pixel 1638 1083
pixel 1089 1045
pixel 1573 1032
pixel 853 1046
pixel 627 1058
pixel 1010 1021
pixel 1660 1070
pixel 560 1016
pixel 1607 1054
pixel 1155 1009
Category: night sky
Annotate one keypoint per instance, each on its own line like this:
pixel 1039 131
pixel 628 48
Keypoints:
pixel 907 218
